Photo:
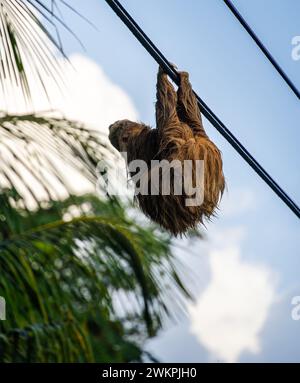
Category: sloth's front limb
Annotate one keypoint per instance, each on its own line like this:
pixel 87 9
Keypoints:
pixel 187 105
pixel 171 132
pixel 166 113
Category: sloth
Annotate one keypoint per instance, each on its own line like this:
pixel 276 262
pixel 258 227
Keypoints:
pixel 179 135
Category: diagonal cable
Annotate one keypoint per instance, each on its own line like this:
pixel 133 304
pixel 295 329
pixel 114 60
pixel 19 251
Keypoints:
pixel 207 112
pixel 265 51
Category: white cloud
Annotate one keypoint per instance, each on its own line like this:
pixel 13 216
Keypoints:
pixel 88 95
pixel 92 97
pixel 231 312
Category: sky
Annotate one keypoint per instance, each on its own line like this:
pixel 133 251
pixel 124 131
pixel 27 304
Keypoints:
pixel 245 273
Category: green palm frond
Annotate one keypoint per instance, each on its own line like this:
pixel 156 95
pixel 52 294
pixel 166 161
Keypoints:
pixel 82 280
pixel 29 43
pixel 38 153
pixel 99 277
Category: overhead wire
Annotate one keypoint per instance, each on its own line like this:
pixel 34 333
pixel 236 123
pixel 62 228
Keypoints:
pixel 131 24
pixel 262 47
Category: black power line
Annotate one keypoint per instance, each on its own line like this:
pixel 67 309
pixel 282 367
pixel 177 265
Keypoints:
pixel 265 51
pixel 207 112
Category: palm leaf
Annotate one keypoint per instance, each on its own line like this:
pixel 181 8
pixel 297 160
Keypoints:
pixel 94 277
pixel 39 153
pixel 29 43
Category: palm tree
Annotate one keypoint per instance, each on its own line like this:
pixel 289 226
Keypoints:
pixel 82 280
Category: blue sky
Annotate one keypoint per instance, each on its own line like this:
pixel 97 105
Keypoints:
pixel 233 77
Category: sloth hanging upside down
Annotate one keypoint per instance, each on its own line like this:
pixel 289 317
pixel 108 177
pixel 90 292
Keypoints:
pixel 179 138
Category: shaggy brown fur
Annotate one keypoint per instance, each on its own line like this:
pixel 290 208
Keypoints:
pixel 179 135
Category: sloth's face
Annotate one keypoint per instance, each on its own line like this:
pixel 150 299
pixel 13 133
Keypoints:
pixel 119 133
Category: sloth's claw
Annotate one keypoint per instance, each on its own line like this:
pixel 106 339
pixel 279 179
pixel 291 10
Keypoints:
pixel 173 66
